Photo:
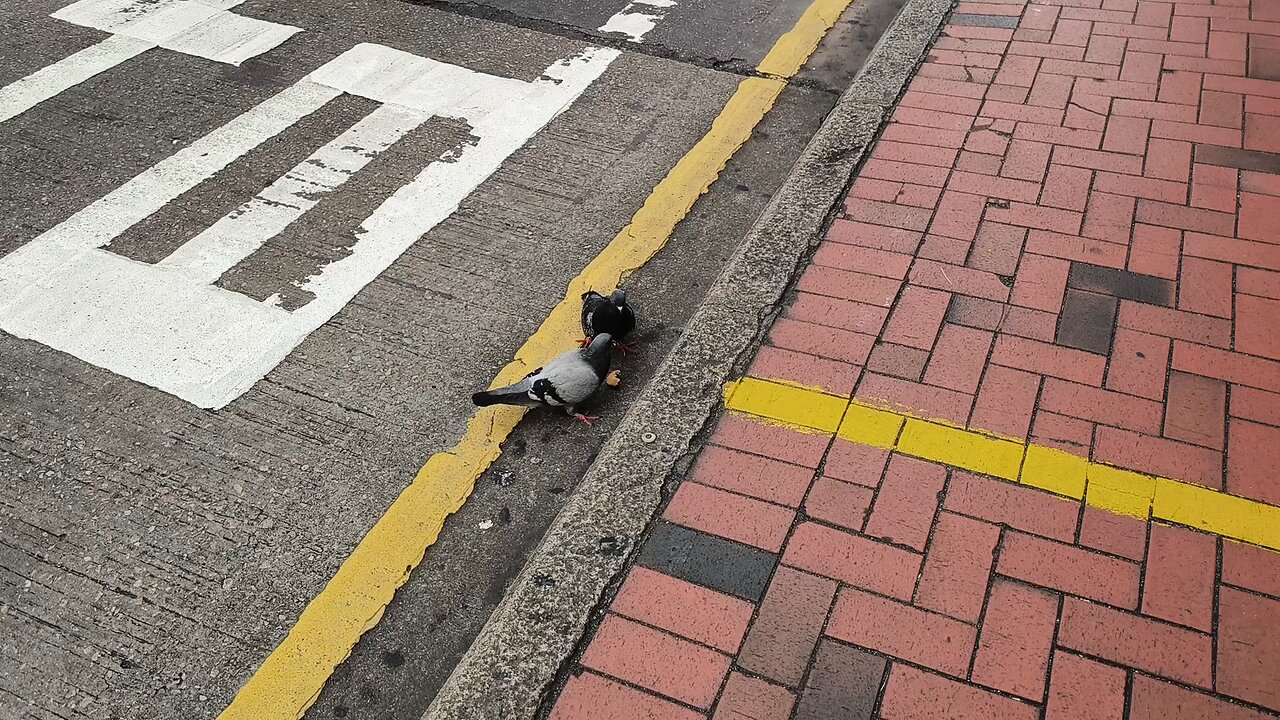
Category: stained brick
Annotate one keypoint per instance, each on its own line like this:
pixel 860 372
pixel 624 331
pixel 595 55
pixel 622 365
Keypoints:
pixel 1251 567
pixel 910 397
pixel 1026 160
pixel 1179 579
pixel 1101 406
pixel 856 463
pixel 1256 319
pixel 1154 212
pixel 1196 410
pixel 655 660
pixel 997 248
pixel 729 515
pixel 908 498
pixel 958 358
pixel 1070 569
pixel 1158 456
pixel 1018 507
pixel 1224 365
pixel 1031 324
pixel 1258 282
pixel 1253 465
pixel 958 566
pixel 1155 251
pixel 849 285
pixel 1037 217
pixel 752 475
pixel 887 213
pixel 1082 689
pixel 1046 359
pixel 1064 433
pixel 740 433
pixel 1109 217
pixel 844 684
pixel 1017 636
pixel 827 342
pixel 1205 287
pixel 839 503
pixel 782 638
pixel 1257 405
pixel 1067 187
pixel 1040 283
pixel 902 631
pixel 1127 639
pixel 940 276
pixel 975 312
pixel 590 697
pixel 842 314
pixel 870 260
pixel 918 695
pixel 1248 647
pixel 1005 401
pixel 1152 699
pixel 777 363
pixel 1177 324
pixel 916 317
pixel 912 153
pixel 853 559
pixel 958 215
pixel 873 236
pixel 748 698
pixel 1214 188
pixel 683 608
pixel 1138 364
pixel 1169 159
pixel 1087 321
pixel 899 361
pixel 1115 534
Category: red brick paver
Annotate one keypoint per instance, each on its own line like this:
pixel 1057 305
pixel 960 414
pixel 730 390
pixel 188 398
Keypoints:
pixel 1069 234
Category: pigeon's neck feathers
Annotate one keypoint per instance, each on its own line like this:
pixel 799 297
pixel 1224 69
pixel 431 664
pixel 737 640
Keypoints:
pixel 599 353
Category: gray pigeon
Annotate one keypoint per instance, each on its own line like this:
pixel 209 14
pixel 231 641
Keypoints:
pixel 564 382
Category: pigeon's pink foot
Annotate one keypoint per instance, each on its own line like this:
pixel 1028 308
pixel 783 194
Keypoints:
pixel 625 347
pixel 585 419
pixel 584 342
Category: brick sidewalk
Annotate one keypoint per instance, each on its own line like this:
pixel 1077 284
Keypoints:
pixel 1068 237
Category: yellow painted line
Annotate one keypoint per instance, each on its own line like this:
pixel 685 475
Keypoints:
pixel 1116 490
pixel 291 677
pixel 786 403
pixel 791 51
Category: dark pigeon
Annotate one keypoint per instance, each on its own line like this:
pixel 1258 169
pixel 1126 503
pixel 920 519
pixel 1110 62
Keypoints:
pixel 610 315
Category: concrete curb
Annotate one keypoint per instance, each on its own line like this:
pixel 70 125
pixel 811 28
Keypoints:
pixel 514 660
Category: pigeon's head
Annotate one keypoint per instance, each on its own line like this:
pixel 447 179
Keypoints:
pixel 618 298
pixel 601 343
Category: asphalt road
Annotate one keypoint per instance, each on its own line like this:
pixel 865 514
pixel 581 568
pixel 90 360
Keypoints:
pixel 171 218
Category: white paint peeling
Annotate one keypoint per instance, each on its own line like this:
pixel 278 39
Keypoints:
pixel 637 18
pixel 166 325
pixel 203 28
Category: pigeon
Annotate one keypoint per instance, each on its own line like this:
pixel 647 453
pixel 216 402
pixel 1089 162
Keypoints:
pixel 611 315
pixel 564 382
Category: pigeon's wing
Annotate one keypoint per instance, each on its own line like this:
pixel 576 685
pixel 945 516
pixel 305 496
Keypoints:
pixel 591 302
pixel 567 380
pixel 626 321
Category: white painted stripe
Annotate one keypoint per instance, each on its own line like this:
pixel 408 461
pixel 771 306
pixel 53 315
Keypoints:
pixel 25 93
pixel 637 18
pixel 208 345
pixel 203 28
pixel 208 255
pixel 109 216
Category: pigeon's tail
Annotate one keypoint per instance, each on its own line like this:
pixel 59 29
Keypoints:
pixel 502 396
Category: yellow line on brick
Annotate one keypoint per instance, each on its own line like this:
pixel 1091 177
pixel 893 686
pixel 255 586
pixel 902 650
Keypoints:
pixel 1116 490
pixel 291 677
